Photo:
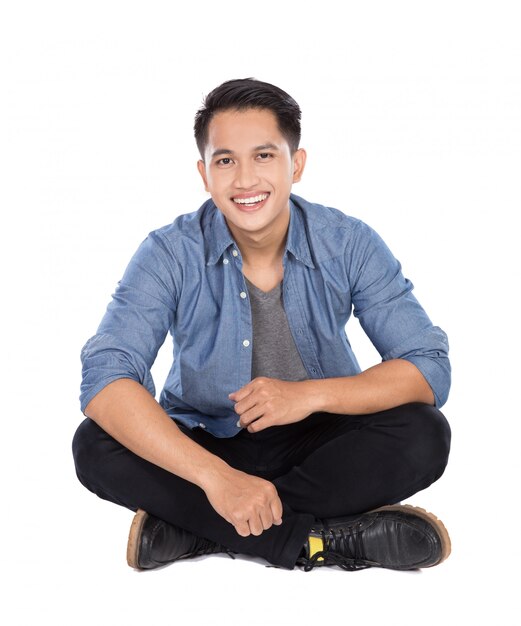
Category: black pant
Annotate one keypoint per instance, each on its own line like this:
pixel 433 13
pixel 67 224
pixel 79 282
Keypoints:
pixel 327 465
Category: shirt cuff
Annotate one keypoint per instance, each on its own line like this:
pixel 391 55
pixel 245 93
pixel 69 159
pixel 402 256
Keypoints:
pixel 436 372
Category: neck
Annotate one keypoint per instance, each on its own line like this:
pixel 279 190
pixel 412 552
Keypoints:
pixel 265 248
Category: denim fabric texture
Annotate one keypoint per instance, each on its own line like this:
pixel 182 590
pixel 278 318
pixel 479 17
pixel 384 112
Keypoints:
pixel 186 278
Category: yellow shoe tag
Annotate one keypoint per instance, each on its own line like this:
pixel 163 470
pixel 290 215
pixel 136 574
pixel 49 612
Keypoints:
pixel 315 545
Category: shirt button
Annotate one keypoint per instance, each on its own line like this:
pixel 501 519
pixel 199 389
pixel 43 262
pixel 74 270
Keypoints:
pixel 201 425
pixel 245 343
pixel 225 261
pixel 235 253
pixel 243 294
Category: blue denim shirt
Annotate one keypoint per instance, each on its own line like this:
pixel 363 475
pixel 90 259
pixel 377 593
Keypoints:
pixel 186 279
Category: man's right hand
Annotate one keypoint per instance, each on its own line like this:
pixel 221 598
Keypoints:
pixel 251 504
pixel 128 412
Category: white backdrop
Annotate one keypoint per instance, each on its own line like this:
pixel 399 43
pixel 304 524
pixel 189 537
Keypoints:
pixel 412 122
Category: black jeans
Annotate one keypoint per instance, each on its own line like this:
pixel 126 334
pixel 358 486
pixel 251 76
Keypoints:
pixel 327 465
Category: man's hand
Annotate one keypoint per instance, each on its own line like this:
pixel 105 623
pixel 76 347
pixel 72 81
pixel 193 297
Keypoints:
pixel 249 503
pixel 265 402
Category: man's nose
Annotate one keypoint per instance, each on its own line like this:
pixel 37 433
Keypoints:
pixel 246 176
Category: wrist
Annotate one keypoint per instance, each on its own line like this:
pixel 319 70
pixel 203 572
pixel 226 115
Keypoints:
pixel 331 395
pixel 216 472
pixel 316 395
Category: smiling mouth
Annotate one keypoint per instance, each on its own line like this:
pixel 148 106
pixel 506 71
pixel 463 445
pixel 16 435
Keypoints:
pixel 251 202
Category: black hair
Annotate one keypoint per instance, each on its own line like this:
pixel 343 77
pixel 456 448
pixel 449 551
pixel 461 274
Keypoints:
pixel 249 93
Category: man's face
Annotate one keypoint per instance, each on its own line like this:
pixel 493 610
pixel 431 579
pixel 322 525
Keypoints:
pixel 248 170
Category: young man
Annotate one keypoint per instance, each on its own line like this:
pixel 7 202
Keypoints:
pixel 267 439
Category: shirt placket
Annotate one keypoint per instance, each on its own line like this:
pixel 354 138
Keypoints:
pixel 298 323
pixel 245 330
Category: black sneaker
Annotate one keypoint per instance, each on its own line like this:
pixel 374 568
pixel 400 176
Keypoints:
pixel 400 537
pixel 153 543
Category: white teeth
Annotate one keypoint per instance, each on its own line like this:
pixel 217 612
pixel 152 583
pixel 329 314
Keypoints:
pixel 252 200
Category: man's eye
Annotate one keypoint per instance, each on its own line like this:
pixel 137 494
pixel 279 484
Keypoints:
pixel 224 161
pixel 264 156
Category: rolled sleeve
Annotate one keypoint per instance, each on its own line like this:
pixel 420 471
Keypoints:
pixel 135 324
pixel 431 359
pixel 390 314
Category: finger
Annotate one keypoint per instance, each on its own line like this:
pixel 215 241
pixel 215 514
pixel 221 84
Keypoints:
pixel 251 416
pixel 266 517
pixel 241 393
pixel 262 422
pixel 255 524
pixel 248 404
pixel 245 421
pixel 250 387
pixel 257 425
pixel 276 511
pixel 242 529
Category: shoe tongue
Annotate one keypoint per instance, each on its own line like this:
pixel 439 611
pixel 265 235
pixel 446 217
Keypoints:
pixel 316 544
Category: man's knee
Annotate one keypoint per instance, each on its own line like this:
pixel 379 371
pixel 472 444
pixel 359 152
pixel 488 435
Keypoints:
pixel 430 438
pixel 88 448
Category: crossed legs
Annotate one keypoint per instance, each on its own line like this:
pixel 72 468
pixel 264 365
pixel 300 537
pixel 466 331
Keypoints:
pixel 327 465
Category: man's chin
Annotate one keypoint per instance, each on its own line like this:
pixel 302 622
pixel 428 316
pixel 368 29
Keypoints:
pixel 247 227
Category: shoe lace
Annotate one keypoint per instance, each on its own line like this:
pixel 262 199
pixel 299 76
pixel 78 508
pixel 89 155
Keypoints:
pixel 205 546
pixel 342 548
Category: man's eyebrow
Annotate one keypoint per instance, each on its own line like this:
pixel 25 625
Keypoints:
pixel 264 146
pixel 221 151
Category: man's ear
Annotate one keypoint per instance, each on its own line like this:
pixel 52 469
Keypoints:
pixel 202 170
pixel 299 163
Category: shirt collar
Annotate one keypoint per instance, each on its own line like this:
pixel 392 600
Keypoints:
pixel 297 242
pixel 219 237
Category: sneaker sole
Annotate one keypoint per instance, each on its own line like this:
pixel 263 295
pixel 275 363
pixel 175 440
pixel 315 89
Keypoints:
pixel 134 538
pixel 433 521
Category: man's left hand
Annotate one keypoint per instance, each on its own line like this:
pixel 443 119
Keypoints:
pixel 266 402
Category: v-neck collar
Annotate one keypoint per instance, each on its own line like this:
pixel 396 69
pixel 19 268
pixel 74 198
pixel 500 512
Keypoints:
pixel 263 294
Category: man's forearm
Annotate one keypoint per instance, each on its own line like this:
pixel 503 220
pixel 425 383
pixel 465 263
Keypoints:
pixel 381 387
pixel 127 412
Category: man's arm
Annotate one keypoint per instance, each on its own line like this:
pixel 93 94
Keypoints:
pixel 380 387
pixel 127 412
pixel 268 402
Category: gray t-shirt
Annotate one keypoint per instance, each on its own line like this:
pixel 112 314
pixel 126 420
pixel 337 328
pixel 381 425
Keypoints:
pixel 274 352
